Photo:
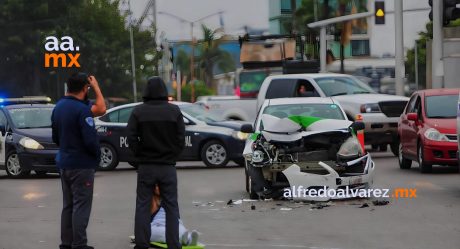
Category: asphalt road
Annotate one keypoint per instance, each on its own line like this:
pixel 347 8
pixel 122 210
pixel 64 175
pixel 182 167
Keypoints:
pixel 30 212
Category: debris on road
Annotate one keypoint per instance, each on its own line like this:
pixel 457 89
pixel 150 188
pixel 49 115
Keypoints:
pixel 365 205
pixel 380 202
pixel 320 205
pixel 285 209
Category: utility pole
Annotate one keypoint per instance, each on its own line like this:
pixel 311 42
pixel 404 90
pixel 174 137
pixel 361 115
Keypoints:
pixel 192 66
pixel 399 48
pixel 133 63
pixel 437 70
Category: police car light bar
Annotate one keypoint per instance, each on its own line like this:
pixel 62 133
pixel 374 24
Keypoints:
pixel 27 100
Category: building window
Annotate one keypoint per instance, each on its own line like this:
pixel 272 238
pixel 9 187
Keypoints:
pixel 286 7
pixel 360 48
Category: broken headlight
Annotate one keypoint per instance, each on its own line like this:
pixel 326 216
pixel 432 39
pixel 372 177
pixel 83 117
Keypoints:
pixel 350 149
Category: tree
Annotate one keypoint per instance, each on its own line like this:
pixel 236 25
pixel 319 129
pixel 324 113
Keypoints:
pixel 424 36
pixel 96 26
pixel 306 14
pixel 211 55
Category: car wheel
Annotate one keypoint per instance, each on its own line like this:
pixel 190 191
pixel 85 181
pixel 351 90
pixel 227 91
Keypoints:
pixel 254 188
pixel 109 158
pixel 13 167
pixel 404 163
pixel 41 172
pixel 394 147
pixel 214 154
pixel 424 167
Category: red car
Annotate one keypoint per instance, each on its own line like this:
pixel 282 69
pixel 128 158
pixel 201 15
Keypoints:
pixel 427 129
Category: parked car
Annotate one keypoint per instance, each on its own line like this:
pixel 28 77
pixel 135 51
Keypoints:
pixel 427 129
pixel 379 112
pixel 305 142
pixel 207 138
pixel 458 130
pixel 25 136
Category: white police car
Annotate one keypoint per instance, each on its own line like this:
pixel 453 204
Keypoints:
pixel 207 138
pixel 25 136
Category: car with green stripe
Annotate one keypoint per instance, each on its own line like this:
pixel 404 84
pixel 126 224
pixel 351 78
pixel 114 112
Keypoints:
pixel 306 142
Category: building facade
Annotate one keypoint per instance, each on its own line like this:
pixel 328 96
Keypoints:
pixel 368 39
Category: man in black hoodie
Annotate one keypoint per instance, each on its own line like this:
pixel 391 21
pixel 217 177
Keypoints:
pixel 156 136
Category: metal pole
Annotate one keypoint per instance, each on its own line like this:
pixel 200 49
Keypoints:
pixel 436 65
pixel 322 47
pixel 416 64
pixel 399 48
pixel 179 85
pixel 192 66
pixel 133 63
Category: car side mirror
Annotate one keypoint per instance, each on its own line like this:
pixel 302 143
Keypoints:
pixel 412 116
pixel 247 128
pixel 357 126
pixel 2 129
pixel 186 121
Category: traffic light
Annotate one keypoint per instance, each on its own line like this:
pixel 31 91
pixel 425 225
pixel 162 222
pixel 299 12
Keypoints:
pixel 430 2
pixel 379 12
pixel 450 11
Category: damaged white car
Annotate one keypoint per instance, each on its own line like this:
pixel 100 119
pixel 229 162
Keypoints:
pixel 302 146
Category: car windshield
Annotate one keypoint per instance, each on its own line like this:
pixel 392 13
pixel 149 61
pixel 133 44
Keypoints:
pixel 329 111
pixel 29 118
pixel 251 81
pixel 199 112
pixel 444 106
pixel 334 86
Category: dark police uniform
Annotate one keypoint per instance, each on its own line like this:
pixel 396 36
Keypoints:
pixel 156 136
pixel 79 153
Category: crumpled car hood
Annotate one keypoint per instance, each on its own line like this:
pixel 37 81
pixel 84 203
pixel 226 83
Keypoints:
pixel 295 123
pixel 290 129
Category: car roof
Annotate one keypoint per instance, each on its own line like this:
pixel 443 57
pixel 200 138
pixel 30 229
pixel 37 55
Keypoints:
pixel 19 106
pixel 307 75
pixel 178 103
pixel 300 100
pixel 440 91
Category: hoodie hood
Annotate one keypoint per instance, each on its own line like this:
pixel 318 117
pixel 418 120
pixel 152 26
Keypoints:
pixel 155 90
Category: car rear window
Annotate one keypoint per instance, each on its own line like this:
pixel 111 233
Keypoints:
pixel 442 106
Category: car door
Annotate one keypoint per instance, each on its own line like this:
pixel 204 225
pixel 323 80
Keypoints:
pixel 114 132
pixel 2 138
pixel 404 123
pixel 192 140
pixel 413 127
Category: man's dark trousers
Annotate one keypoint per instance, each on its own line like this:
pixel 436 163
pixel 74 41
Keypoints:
pixel 77 189
pixel 166 178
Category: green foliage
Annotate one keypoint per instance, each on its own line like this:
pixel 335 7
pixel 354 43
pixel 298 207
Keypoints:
pixel 212 55
pixel 200 90
pixel 424 36
pixel 96 26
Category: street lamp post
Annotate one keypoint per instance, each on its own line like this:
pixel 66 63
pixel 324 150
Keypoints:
pixel 192 41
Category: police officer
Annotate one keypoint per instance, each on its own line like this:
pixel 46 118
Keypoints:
pixel 156 136
pixel 74 132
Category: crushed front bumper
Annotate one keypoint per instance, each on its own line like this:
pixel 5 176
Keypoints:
pixel 331 180
pixel 38 160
